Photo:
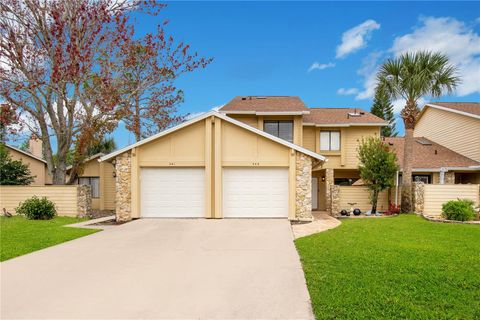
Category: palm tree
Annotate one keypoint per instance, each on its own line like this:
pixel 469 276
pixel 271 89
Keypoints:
pixel 410 77
pixel 106 145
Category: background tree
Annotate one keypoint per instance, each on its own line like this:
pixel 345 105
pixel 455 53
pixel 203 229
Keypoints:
pixel 106 145
pixel 410 77
pixel 60 70
pixel 378 166
pixel 147 71
pixel 13 172
pixel 383 108
pixel 8 117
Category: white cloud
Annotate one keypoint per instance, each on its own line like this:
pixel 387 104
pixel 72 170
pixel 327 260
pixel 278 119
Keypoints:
pixel 347 92
pixel 321 66
pixel 356 38
pixel 451 37
pixel 447 35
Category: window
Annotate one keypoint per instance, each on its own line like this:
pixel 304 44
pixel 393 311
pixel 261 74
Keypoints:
pixel 344 181
pixel 425 178
pixel 94 182
pixel 330 140
pixel 281 129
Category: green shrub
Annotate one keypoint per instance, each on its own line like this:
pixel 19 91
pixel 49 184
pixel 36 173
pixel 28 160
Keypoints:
pixel 37 209
pixel 459 210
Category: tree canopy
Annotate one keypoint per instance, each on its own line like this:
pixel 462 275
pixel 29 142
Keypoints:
pixel 383 108
pixel 378 166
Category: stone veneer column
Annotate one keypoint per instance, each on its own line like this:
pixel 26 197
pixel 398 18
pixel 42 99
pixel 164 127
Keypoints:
pixel 84 201
pixel 335 200
pixel 329 183
pixel 123 187
pixel 450 177
pixel 303 187
pixel 418 197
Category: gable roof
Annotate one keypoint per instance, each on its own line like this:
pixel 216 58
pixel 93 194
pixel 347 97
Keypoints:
pixel 225 118
pixel 25 153
pixel 469 109
pixel 430 155
pixel 341 117
pixel 265 104
pixel 95 156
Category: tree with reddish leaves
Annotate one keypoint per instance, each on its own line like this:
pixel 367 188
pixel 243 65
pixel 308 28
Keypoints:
pixel 147 70
pixel 60 70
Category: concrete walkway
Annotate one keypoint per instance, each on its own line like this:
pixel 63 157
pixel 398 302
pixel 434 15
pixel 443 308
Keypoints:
pixel 322 222
pixel 162 269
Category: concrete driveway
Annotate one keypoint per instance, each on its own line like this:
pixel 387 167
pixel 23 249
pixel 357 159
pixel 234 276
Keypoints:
pixel 157 269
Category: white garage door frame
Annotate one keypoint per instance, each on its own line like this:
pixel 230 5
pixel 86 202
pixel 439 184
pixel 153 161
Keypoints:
pixel 167 192
pixel 255 192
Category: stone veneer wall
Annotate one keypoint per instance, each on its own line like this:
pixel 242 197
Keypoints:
pixel 123 186
pixel 418 197
pixel 303 187
pixel 335 200
pixel 329 184
pixel 450 177
pixel 84 201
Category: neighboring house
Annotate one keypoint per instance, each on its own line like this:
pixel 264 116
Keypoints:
pixel 214 166
pixel 454 125
pixel 100 176
pixel 34 160
pixel 334 133
pixel 436 164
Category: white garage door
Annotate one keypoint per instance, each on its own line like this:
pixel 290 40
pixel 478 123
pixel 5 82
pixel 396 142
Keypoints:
pixel 255 192
pixel 173 192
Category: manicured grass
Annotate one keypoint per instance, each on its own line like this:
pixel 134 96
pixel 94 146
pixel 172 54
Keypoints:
pixel 19 236
pixel 393 268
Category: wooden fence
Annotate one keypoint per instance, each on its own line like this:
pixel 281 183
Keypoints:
pixel 437 194
pixel 68 200
pixel 361 196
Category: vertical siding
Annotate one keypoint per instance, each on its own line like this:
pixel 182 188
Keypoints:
pixel 309 138
pixel 109 189
pixel 64 197
pixel 454 131
pixel 438 194
pixel 361 196
pixel 354 139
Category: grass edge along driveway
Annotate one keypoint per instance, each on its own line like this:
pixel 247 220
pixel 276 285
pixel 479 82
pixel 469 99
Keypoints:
pixel 393 268
pixel 19 236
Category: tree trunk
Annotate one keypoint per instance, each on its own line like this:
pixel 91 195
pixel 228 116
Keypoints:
pixel 374 201
pixel 407 171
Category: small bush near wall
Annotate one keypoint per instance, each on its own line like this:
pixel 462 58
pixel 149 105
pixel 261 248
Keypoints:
pixel 458 210
pixel 37 209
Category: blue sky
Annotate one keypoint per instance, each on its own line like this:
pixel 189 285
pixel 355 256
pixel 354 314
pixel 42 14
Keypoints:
pixel 267 48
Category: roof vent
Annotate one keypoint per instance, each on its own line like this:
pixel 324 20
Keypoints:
pixel 243 98
pixel 354 114
pixel 261 97
pixel 424 142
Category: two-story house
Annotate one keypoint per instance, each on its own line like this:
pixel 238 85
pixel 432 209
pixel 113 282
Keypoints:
pixel 332 132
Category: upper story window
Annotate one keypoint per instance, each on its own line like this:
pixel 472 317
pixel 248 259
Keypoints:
pixel 281 129
pixel 330 140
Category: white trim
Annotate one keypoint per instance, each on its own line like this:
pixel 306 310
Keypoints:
pixel 26 153
pixel 223 117
pixel 470 168
pixel 267 113
pixel 463 113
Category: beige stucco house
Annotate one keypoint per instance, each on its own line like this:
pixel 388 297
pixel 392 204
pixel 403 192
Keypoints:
pixel 256 157
pixel 34 160
pixel 214 166
pixel 332 132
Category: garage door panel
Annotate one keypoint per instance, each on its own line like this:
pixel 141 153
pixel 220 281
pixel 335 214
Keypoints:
pixel 173 192
pixel 255 192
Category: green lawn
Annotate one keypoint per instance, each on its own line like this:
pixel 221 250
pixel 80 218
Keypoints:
pixel 394 268
pixel 19 236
